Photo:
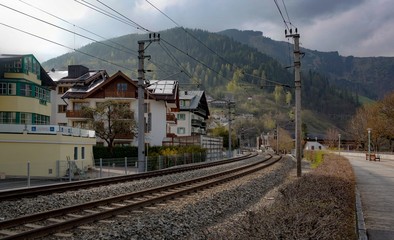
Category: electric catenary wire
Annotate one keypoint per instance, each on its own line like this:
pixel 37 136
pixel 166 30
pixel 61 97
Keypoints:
pixel 145 29
pixel 210 49
pixel 74 25
pixel 62 45
pixel 64 29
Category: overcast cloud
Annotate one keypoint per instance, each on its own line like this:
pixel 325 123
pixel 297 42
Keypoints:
pixel 351 27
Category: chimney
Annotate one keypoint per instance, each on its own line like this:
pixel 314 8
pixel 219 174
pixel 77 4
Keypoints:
pixel 75 71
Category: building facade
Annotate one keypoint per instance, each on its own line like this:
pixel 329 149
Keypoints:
pixel 160 98
pixel 26 136
pixel 25 90
pixel 192 115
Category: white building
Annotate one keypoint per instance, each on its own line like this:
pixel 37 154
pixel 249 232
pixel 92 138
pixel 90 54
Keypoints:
pixel 160 98
pixel 313 145
pixel 74 76
pixel 192 115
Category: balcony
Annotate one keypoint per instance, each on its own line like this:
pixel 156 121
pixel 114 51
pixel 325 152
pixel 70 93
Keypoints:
pixel 171 118
pixel 74 114
pixel 196 123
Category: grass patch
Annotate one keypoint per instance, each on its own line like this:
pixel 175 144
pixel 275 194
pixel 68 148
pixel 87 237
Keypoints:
pixel 315 157
pixel 319 205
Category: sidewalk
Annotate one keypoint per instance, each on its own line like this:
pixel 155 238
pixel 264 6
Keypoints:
pixel 375 182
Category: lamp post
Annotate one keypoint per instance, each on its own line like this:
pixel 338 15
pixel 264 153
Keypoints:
pixel 339 144
pixel 369 143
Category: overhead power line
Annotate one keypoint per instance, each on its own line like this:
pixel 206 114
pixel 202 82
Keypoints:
pixel 281 14
pixel 210 49
pixel 62 45
pixel 138 25
pixel 74 25
pixel 65 29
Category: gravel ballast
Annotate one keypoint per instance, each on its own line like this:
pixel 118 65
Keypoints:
pixel 197 216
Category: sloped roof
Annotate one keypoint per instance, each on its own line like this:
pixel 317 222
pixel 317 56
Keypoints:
pixel 166 90
pixel 85 84
pixel 198 101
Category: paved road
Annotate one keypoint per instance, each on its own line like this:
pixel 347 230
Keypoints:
pixel 375 181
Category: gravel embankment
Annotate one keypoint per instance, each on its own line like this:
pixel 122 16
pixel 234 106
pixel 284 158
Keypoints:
pixel 193 217
pixel 15 208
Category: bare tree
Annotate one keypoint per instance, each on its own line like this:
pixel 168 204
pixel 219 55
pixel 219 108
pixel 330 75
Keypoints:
pixel 111 119
pixel 285 141
pixel 331 139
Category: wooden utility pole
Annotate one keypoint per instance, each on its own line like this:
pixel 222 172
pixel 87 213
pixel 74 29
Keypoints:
pixel 142 165
pixel 297 81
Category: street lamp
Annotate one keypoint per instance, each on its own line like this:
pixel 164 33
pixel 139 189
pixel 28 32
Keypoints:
pixel 339 144
pixel 369 143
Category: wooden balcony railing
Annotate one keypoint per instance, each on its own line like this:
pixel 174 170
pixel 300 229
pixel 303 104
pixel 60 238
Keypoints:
pixel 74 114
pixel 171 118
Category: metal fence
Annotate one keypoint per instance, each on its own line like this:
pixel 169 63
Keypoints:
pixel 75 170
pixel 129 165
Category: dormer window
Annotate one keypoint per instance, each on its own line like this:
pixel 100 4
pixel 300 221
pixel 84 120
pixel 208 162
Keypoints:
pixel 121 87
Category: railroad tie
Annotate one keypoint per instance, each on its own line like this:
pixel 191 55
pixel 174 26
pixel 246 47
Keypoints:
pixel 8 232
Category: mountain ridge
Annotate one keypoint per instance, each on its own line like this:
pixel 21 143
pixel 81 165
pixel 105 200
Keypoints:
pixel 237 69
pixel 369 76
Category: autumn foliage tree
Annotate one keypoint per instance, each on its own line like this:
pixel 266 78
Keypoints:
pixel 378 117
pixel 111 119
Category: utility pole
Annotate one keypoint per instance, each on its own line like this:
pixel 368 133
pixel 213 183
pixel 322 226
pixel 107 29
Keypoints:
pixel 142 166
pixel 229 104
pixel 297 81
pixel 277 139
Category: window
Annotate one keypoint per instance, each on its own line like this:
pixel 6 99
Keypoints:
pixel 79 124
pixel 25 90
pixel 78 105
pixel 61 108
pixel 75 153
pixel 82 152
pixel 121 87
pixel 8 117
pixel 181 116
pixel 7 89
pixel 181 130
pixel 26 118
pixel 62 90
pixel 184 103
pixel 3 88
pixel 12 89
pixel 41 119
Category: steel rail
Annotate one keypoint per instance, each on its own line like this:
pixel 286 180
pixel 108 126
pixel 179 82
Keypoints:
pixel 63 187
pixel 166 192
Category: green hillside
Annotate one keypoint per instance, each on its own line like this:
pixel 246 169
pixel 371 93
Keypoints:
pixel 238 70
pixel 372 77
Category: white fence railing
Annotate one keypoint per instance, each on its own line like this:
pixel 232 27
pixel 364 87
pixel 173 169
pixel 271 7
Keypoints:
pixel 46 129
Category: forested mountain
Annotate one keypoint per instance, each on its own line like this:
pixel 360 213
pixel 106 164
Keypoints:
pixel 223 67
pixel 372 77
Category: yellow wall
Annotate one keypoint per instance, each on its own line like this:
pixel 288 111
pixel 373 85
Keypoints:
pixel 24 104
pixel 31 77
pixel 42 151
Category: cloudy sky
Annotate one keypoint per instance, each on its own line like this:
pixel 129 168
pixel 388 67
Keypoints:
pixel 351 27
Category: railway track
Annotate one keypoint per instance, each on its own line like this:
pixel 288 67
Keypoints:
pixel 63 187
pixel 56 221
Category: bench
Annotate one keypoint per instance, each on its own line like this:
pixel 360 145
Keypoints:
pixel 372 157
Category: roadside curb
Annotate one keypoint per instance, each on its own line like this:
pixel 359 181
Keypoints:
pixel 361 229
